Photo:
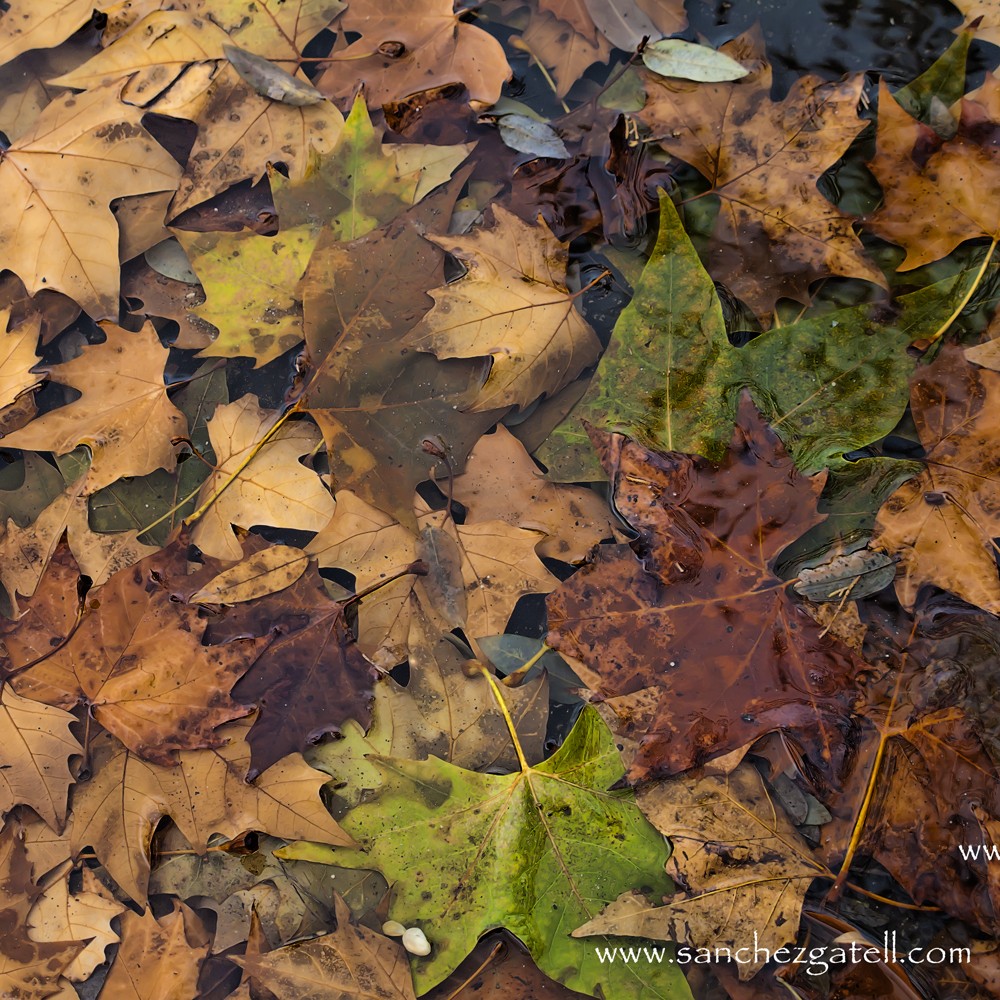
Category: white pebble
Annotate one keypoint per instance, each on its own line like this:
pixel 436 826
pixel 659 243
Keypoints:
pixel 415 942
pixel 393 928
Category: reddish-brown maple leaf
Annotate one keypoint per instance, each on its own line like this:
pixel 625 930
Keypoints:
pixel 310 679
pixel 137 661
pixel 692 622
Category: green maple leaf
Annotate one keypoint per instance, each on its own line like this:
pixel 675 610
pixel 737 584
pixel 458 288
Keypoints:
pixel 539 852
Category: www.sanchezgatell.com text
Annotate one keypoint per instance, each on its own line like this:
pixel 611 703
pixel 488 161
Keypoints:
pixel 814 959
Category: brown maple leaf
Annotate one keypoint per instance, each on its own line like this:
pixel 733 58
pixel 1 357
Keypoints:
pixel 698 621
pixel 406 48
pixel 136 660
pixel 941 525
pixel 775 233
pixel 937 192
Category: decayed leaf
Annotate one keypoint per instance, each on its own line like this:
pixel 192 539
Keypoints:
pixel 58 231
pixel 537 852
pixel 776 233
pixel 936 192
pixel 250 284
pixel 270 80
pixel 84 915
pixel 737 857
pixel 136 660
pixel 702 589
pixel 274 488
pixel 27 968
pixel 35 747
pixel 941 525
pixel 670 378
pixel 627 22
pixel 405 49
pixel 265 572
pixel 512 306
pixel 502 483
pixel 116 811
pixel 362 183
pixel 159 958
pixel 310 679
pixel 352 963
pixel 528 135
pixel 240 133
pixel 124 415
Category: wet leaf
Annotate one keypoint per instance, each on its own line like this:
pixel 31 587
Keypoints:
pixel 450 840
pixel 761 251
pixel 270 80
pixel 205 794
pixel 941 524
pixel 265 572
pixel 687 61
pixel 527 135
pixel 81 145
pixel 512 306
pixel 701 585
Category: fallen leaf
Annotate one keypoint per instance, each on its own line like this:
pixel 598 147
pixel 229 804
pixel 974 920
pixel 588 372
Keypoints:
pixel 34 762
pixel 625 22
pixel 136 660
pixel 403 50
pixel 935 191
pixel 362 183
pixel 512 306
pixel 265 572
pixel 528 135
pixel 41 25
pixel 568 46
pixel 123 416
pixel 27 968
pixel 375 402
pixel 941 525
pixel 687 61
pixel 537 852
pixel 352 963
pixel 240 133
pixel 84 915
pixel 263 485
pixel 671 379
pixel 736 857
pixel 270 80
pixel 249 282
pixel 158 957
pixel 502 483
pixel 117 810
pixel 59 232
pixel 17 358
pixel 776 233
pixel 312 676
pixel 701 586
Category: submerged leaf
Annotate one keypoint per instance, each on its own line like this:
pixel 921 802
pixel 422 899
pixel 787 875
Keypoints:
pixel 687 61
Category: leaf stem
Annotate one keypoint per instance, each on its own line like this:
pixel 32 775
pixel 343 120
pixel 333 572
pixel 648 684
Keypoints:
pixel 968 295
pixel 235 474
pixel 495 688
